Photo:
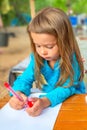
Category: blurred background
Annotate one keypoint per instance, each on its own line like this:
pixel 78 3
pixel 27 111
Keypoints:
pixel 15 15
pixel 17 12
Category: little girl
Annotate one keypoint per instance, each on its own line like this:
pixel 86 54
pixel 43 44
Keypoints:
pixel 55 62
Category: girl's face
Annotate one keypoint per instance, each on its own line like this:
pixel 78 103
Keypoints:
pixel 46 46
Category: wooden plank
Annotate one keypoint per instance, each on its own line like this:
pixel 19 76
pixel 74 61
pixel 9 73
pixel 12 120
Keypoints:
pixel 74 106
pixel 79 98
pixel 70 125
pixel 32 7
pixel 73 114
pixel 4 100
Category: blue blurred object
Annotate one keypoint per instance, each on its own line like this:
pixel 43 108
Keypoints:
pixel 73 20
pixel 14 22
pixel 21 19
pixel 26 17
pixel 85 21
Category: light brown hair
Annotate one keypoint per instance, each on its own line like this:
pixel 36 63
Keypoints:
pixel 55 22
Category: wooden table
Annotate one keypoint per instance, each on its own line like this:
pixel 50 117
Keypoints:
pixel 73 114
pixel 4 100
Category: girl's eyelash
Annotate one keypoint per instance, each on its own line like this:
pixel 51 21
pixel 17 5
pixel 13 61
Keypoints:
pixel 37 45
pixel 46 47
pixel 50 47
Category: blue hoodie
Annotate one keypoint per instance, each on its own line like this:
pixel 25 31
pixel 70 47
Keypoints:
pixel 57 94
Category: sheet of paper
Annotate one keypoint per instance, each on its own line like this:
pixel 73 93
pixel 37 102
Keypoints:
pixel 11 119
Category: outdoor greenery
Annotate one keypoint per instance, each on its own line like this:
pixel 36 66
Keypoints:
pixel 13 9
pixel 78 6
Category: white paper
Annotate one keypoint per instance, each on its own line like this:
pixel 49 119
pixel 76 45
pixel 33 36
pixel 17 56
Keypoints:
pixel 11 119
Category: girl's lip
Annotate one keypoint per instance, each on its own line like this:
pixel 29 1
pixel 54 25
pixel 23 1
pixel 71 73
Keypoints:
pixel 46 57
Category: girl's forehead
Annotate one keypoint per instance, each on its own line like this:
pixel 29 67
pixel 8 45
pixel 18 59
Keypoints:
pixel 43 36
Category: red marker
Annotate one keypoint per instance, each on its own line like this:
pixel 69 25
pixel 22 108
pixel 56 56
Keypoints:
pixel 29 102
pixel 12 91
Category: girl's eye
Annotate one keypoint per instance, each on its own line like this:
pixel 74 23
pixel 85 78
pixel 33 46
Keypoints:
pixel 37 46
pixel 49 47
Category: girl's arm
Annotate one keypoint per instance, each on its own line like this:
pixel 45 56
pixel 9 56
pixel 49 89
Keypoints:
pixel 23 83
pixel 61 93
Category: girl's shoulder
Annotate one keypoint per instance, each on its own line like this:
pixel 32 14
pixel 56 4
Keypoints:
pixel 32 57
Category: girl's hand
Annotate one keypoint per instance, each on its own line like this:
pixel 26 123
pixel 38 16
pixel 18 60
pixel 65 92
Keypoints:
pixel 16 103
pixel 38 105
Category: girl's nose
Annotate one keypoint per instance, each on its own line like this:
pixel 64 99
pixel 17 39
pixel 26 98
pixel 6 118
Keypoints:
pixel 43 51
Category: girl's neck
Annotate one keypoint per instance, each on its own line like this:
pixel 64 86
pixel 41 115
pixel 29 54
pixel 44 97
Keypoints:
pixel 52 63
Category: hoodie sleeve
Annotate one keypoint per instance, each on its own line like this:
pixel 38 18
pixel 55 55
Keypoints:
pixel 61 93
pixel 24 82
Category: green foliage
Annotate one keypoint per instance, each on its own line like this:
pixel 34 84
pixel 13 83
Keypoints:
pixel 80 6
pixel 60 4
pixel 22 6
pixel 18 7
pixel 41 4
